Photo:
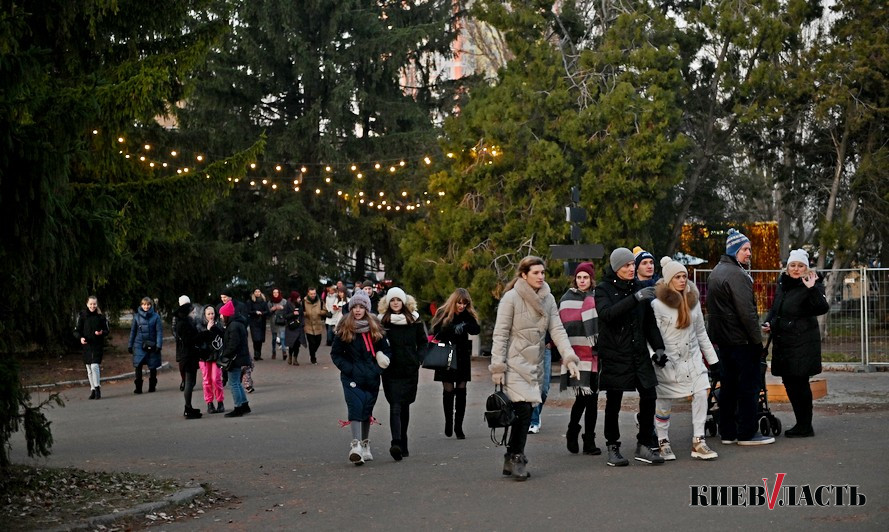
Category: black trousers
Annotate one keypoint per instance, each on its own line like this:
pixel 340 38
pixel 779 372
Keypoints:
pixel 519 428
pixel 800 395
pixel 738 394
pixel 613 398
pixel 314 342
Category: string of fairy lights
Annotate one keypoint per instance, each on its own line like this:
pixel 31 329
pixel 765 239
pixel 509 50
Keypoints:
pixel 310 177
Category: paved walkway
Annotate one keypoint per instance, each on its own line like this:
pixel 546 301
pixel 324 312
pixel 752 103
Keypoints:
pixel 287 461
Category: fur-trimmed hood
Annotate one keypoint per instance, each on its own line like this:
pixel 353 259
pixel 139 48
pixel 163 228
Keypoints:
pixel 410 305
pixel 671 297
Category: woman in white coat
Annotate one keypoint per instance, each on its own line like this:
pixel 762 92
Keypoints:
pixel 525 314
pixel 681 323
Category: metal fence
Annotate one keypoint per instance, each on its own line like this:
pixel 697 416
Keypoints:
pixel 856 330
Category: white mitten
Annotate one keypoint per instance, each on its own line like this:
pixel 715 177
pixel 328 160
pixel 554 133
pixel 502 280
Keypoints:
pixel 382 360
pixel 573 371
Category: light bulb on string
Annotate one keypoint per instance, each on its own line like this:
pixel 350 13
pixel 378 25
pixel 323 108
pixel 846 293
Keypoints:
pixel 142 158
pixel 95 132
pixel 185 169
pixel 151 165
pixel 252 166
pixel 252 183
pixel 120 139
pixel 303 169
pixel 147 147
pixel 200 158
pixel 277 167
pixel 265 181
pixel 377 166
pixel 361 194
pixel 353 167
pixel 371 204
pixel 327 168
pixel 360 175
pixel 401 163
pixel 361 200
pixel 392 169
pixel 296 189
pixel 174 153
pixel 327 180
pixel 382 193
pixel 127 156
pixel 427 160
pixel 164 165
pixel 403 193
pixel 450 155
pixel 317 191
pixel 274 186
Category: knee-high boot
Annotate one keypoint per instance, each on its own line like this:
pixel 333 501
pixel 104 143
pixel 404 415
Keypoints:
pixel 447 403
pixel 138 383
pixel 152 380
pixel 459 412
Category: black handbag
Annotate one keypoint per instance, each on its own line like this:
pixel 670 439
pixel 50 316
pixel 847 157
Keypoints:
pixel 280 319
pixel 149 346
pixel 439 355
pixel 225 362
pixel 499 414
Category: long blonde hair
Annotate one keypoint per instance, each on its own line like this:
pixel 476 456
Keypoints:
pixel 445 314
pixel 345 329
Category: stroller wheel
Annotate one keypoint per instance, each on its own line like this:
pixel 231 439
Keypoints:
pixel 764 427
pixel 776 426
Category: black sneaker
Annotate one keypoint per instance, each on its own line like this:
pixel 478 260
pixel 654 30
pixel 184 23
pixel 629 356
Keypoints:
pixel 645 454
pixel 616 459
pixel 236 412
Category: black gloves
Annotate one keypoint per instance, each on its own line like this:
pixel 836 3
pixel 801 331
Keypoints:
pixel 130 350
pixel 458 329
pixel 659 358
pixel 645 293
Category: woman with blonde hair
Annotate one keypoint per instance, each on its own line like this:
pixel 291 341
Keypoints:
pixel 146 341
pixel 453 323
pixel 525 314
pixel 91 330
pixel 677 311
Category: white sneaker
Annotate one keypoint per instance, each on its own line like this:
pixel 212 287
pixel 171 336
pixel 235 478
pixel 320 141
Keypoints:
pixel 355 453
pixel 699 449
pixel 533 429
pixel 666 450
pixel 365 451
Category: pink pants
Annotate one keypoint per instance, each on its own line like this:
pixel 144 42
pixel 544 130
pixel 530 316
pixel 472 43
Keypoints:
pixel 212 378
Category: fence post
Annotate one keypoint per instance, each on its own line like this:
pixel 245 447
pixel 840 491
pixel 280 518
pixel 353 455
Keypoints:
pixel 865 337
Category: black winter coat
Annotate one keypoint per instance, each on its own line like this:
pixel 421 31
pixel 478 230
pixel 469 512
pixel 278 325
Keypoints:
pixel 625 327
pixel 448 333
pixel 234 342
pixel 796 337
pixel 88 323
pixel 186 334
pixel 356 363
pixel 400 378
pixel 258 321
pixel 732 318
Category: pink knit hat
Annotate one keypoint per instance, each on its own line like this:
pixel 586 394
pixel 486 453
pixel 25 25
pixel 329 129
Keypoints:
pixel 227 310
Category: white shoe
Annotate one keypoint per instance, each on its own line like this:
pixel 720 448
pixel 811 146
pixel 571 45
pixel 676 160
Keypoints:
pixel 699 449
pixel 355 453
pixel 666 450
pixel 365 451
pixel 533 429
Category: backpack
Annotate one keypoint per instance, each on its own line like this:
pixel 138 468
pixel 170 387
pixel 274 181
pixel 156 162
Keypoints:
pixel 499 414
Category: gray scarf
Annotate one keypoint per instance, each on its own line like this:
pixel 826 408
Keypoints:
pixel 361 326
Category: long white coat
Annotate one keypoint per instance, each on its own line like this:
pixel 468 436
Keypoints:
pixel 523 319
pixel 684 373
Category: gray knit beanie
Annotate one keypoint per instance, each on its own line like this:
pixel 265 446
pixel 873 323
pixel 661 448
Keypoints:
pixel 619 257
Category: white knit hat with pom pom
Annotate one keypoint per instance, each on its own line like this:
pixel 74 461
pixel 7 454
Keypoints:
pixel 669 268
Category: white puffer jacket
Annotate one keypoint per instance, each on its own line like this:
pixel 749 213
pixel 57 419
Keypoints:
pixel 685 372
pixel 523 319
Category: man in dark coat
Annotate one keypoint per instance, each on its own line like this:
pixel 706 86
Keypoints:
pixel 186 334
pixel 733 324
pixel 626 330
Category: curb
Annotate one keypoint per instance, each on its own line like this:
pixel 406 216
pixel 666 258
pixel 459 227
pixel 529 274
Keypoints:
pixel 130 375
pixel 175 499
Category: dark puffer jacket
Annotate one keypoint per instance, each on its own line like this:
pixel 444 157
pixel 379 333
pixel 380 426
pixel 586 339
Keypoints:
pixel 400 378
pixel 234 342
pixel 796 338
pixel 625 326
pixel 732 318
pixel 186 333
pixel 88 323
pixel 358 364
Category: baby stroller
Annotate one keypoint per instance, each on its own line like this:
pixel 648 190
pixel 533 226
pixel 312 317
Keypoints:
pixel 768 423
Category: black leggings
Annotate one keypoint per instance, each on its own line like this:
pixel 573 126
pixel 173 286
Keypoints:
pixel 519 428
pixel 587 406
pixel 399 418
pixel 800 395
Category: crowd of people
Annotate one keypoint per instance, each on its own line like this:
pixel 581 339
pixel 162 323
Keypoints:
pixel 634 330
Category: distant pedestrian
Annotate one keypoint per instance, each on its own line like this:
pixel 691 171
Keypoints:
pixel 734 327
pixel 406 335
pixel 235 348
pixel 313 316
pixel 626 330
pixel 454 322
pixel 682 374
pixel 361 353
pixel 577 310
pixel 146 341
pixel 258 309
pixel 525 314
pixel 186 333
pixel 295 332
pixel 368 288
pixel 91 330
pixel 333 314
pixel 210 335
pixel 279 323
pixel 796 337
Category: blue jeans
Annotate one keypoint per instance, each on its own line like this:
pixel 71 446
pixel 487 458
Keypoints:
pixel 234 380
pixel 279 335
pixel 544 386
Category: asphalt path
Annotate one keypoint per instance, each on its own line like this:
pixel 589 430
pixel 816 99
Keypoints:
pixel 287 461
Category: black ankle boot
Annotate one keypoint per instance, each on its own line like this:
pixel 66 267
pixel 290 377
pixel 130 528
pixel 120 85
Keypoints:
pixel 92 393
pixel 589 445
pixel 236 412
pixel 152 385
pixel 98 392
pixel 571 437
pixel 395 450
pixel 138 383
